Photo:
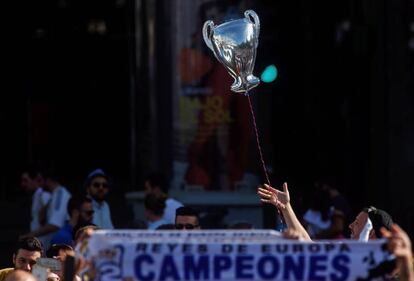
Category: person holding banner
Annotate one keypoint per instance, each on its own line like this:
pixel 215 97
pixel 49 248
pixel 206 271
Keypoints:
pixel 368 223
pixel 400 245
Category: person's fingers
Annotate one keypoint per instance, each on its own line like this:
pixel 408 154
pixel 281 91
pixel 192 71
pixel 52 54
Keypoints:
pixel 385 233
pixel 264 190
pixel 270 188
pixel 395 228
pixel 285 187
pixel 263 194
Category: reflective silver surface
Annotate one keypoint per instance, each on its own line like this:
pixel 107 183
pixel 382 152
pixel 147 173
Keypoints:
pixel 234 44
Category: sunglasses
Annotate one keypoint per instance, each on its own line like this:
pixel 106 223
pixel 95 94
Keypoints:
pixel 186 226
pixel 99 184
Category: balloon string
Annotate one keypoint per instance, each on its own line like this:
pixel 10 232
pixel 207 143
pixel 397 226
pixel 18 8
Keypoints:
pixel 258 141
pixel 260 152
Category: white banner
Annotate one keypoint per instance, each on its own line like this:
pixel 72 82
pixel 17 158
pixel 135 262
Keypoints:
pixel 232 255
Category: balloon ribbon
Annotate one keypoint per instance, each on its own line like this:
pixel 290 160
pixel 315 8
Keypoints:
pixel 260 150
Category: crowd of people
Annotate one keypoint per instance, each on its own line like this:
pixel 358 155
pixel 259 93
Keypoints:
pixel 61 223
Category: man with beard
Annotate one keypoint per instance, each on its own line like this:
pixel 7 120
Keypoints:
pixel 80 211
pixel 97 187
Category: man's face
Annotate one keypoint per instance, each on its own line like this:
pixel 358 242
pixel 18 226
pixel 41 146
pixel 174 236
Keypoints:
pixel 186 222
pixel 86 213
pixel 27 183
pixel 25 259
pixel 98 188
pixel 358 224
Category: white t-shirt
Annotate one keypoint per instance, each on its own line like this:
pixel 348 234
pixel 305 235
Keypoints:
pixel 169 212
pixel 102 215
pixel 57 212
pixel 39 200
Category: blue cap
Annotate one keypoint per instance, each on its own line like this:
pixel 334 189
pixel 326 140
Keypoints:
pixel 95 173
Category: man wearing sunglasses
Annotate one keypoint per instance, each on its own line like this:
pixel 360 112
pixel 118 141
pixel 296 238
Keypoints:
pixel 186 218
pixel 97 187
pixel 80 211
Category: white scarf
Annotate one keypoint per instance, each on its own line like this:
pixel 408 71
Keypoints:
pixel 364 235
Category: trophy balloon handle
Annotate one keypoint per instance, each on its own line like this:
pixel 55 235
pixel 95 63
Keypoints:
pixel 207 33
pixel 250 14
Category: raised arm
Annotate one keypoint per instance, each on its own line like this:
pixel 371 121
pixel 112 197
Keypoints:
pixel 281 200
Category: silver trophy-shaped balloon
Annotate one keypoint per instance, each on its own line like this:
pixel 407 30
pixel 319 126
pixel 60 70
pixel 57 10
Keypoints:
pixel 234 44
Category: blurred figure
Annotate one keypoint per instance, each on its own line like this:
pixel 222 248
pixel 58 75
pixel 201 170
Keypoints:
pixel 59 252
pixel 323 220
pixel 241 225
pixel 399 245
pixel 154 210
pixel 27 251
pixel 32 182
pixel 157 184
pixel 83 234
pixel 338 201
pixel 97 187
pixel 186 218
pixel 56 211
pixel 169 226
pixel 318 217
pixel 368 223
pixel 51 276
pixel 81 212
pixel 20 275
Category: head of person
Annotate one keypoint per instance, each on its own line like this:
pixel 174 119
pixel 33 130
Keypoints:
pixel 20 275
pixel 59 251
pixel 97 185
pixel 156 183
pixel 154 206
pixel 52 276
pixel 369 222
pixel 80 209
pixel 52 179
pixel 26 252
pixel 186 218
pixel 84 233
pixel 31 179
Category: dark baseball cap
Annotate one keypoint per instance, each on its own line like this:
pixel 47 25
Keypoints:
pixel 379 218
pixel 95 173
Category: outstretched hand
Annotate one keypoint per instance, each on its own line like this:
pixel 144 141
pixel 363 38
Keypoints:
pixel 278 198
